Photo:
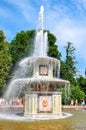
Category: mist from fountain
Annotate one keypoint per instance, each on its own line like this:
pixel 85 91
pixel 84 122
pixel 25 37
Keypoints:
pixel 40 50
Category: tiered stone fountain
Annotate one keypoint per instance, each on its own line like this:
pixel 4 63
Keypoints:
pixel 42 100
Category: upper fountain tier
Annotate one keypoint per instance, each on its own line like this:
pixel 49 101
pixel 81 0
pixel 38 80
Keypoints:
pixel 47 67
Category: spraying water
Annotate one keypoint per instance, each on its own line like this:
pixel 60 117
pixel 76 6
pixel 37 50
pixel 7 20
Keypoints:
pixel 24 75
pixel 41 18
pixel 24 69
pixel 40 47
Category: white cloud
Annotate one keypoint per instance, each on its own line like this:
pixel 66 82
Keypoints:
pixel 26 9
pixel 76 35
pixel 68 29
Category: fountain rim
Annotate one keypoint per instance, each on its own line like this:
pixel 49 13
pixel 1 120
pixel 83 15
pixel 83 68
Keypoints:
pixel 38 59
pixel 45 58
pixel 56 81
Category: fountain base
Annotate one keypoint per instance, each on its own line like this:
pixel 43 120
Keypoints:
pixel 42 105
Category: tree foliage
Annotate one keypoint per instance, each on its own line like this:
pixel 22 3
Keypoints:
pixel 77 93
pixel 53 48
pixel 81 81
pixel 68 68
pixel 5 61
pixel 21 45
pixel 2 37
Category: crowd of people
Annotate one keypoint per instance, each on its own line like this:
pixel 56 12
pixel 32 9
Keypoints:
pixel 82 102
pixel 20 101
pixel 14 101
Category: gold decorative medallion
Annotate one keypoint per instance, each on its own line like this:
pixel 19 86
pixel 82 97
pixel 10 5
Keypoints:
pixel 45 103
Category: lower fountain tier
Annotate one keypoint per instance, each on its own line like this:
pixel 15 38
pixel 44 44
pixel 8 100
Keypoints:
pixel 39 84
pixel 40 80
pixel 43 105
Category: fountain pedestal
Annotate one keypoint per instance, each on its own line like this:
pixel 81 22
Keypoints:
pixel 42 105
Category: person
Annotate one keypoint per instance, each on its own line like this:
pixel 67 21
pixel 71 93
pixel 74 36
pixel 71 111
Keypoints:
pixel 83 103
pixel 72 103
pixel 76 102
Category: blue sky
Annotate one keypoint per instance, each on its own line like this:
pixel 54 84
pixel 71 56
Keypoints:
pixel 66 19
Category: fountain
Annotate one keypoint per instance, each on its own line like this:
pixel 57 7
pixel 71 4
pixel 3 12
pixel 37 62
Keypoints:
pixel 39 77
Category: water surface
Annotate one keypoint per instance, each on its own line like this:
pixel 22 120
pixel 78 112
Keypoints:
pixel 75 122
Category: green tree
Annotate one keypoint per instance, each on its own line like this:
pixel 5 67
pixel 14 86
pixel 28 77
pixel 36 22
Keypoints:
pixel 5 61
pixel 68 68
pixel 53 48
pixel 65 95
pixel 81 81
pixel 77 93
pixel 21 45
